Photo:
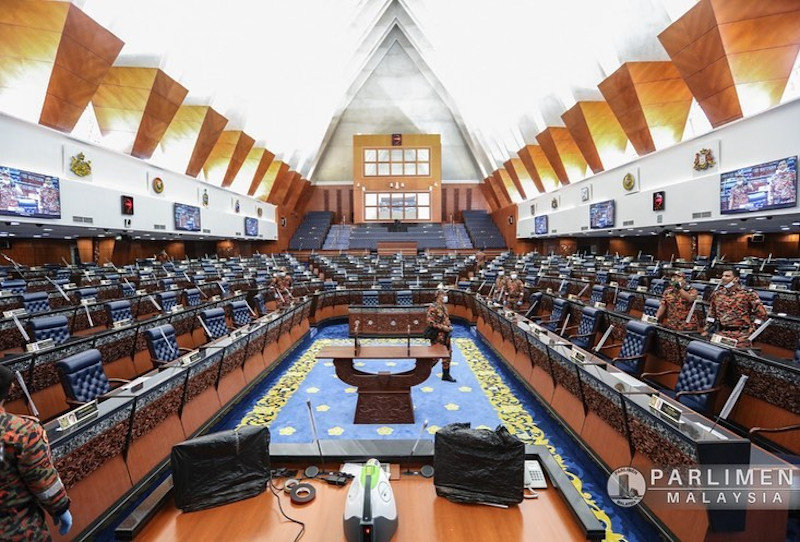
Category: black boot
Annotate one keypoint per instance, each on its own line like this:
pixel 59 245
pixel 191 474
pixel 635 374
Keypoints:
pixel 446 376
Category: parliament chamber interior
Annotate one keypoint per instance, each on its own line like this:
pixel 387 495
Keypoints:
pixel 404 270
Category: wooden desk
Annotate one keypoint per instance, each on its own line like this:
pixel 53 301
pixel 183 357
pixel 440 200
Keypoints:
pixel 384 397
pixel 406 248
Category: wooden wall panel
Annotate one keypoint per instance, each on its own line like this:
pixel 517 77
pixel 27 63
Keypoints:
pixel 281 185
pixel 275 169
pixel 539 168
pixel 563 154
pixel 296 186
pixel 227 157
pixel 265 160
pixel 597 133
pixel 211 129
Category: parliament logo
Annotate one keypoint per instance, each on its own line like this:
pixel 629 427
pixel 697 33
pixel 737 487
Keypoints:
pixel 80 166
pixel 626 486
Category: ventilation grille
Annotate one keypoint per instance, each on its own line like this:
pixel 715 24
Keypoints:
pixel 553 231
pixel 584 228
pixel 83 219
pixel 628 223
pixel 159 227
pixel 702 214
pixel 659 219
pixel 206 231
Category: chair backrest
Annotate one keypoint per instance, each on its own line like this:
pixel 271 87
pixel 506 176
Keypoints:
pixel 82 376
pixel 634 281
pixel 464 284
pixel 637 342
pixel 214 319
pixel 404 297
pixel 118 311
pixel 36 302
pixel 560 308
pixel 166 283
pixel 223 287
pixel 192 296
pixel 162 343
pixel 598 294
pixel 601 277
pixel 797 352
pixel 767 298
pixel 781 282
pixel 167 300
pixel 240 313
pixel 15 286
pixel 657 286
pixel 128 289
pixel 86 293
pixel 651 306
pixel 386 284
pixel 623 302
pixel 702 289
pixel 260 304
pixel 329 285
pixel 703 368
pixel 369 298
pixel 49 327
pixel 590 322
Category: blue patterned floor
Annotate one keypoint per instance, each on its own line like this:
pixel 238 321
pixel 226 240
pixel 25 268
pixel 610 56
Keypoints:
pixel 486 394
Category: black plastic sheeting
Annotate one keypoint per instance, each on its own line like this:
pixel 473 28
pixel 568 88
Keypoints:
pixel 478 465
pixel 220 468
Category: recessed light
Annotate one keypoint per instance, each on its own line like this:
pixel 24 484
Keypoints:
pixel 48 229
pixel 724 231
pixel 693 223
pixel 37 236
pixel 761 218
pixel 795 223
pixel 100 235
pixel 15 223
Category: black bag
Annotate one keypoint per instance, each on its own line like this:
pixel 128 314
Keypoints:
pixel 220 468
pixel 478 465
pixel 431 333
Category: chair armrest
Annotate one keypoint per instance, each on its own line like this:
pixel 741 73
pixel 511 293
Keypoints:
pixel 119 381
pixel 662 373
pixel 182 350
pixel 630 358
pixel 698 392
pixel 572 327
pixel 580 335
pixel 774 429
pixel 74 403
pixel 609 346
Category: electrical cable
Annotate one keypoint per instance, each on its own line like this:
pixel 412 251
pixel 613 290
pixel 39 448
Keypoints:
pixel 272 489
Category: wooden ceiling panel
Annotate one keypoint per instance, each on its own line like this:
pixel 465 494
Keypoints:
pixel 710 80
pixel 281 184
pixel 504 181
pixel 163 102
pixel 750 35
pixel 209 132
pixel 275 169
pixel 293 192
pixel 728 11
pixel 526 156
pixel 305 196
pixel 522 179
pixel 240 154
pixel 227 157
pixel 619 91
pixel 575 121
pixel 488 195
pixel 706 49
pixel 596 132
pixel 542 169
pixel 265 160
pixel 763 65
pixel 47 16
pixel 563 154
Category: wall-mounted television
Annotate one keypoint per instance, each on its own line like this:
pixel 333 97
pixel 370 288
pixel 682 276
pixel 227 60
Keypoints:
pixel 601 215
pixel 23 193
pixel 659 199
pixel 772 185
pixel 250 226
pixel 187 217
pixel 126 205
pixel 540 225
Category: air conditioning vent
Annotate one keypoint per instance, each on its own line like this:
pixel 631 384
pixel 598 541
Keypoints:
pixel 702 214
pixel 553 231
pixel 83 219
pixel 159 227
pixel 206 231
pixel 584 228
pixel 628 223
pixel 659 219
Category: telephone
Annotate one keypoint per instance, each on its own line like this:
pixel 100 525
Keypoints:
pixel 534 476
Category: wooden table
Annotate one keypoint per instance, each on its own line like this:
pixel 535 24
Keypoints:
pixel 384 397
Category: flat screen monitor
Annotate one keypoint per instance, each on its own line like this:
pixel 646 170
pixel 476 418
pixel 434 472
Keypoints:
pixel 601 215
pixel 659 200
pixel 250 226
pixel 23 193
pixel 187 217
pixel 540 225
pixel 772 185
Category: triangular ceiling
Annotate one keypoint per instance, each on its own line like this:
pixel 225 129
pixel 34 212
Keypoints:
pixel 397 93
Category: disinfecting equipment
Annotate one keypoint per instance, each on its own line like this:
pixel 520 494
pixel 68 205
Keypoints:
pixel 370 514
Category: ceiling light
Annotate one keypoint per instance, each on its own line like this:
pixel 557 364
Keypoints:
pixel 693 223
pixel 724 231
pixel 37 236
pixel 795 223
pixel 48 229
pixel 761 218
pixel 14 224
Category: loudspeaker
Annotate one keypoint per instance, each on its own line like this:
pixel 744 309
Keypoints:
pixel 220 468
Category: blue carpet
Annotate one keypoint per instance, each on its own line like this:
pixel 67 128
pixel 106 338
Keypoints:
pixel 486 395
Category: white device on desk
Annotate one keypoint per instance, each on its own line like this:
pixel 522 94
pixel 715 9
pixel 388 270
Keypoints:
pixel 370 513
pixel 534 476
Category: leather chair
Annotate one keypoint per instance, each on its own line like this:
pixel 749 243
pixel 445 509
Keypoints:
pixel 240 313
pixel 703 289
pixel 167 300
pixel 587 329
pixel 700 376
pixel 15 286
pixel 49 327
pixel 767 298
pixel 560 310
pixel 781 282
pixel 634 281
pixel 166 283
pixel 86 293
pixel 598 294
pixel 329 285
pixel 117 311
pixel 633 350
pixel 464 285
pixel 83 378
pixel 369 298
pixel 623 304
pixel 36 302
pixel 404 298
pixel 260 304
pixel 224 288
pixel 651 306
pixel 192 297
pixel 657 286
pixel 163 344
pixel 601 277
pixel 563 287
pixel 128 289
pixel 215 324
pixel 385 284
pixel 113 277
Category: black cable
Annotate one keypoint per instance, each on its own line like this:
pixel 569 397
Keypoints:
pixel 272 489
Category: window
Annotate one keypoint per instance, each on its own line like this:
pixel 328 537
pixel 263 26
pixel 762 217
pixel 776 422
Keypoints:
pixel 397 162
pixel 386 206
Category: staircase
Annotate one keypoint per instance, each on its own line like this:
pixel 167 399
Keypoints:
pixel 456 236
pixel 338 238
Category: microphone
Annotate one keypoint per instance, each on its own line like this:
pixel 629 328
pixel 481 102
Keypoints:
pixel 312 471
pixel 356 346
pixel 408 343
pixel 426 471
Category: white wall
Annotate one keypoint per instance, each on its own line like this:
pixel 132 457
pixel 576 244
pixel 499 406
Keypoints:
pixel 762 138
pixel 38 149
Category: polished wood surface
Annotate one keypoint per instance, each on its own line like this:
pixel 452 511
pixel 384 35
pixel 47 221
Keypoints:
pixel 276 188
pixel 384 352
pixel 240 154
pixel 263 190
pixel 488 195
pixel 191 135
pixel 227 156
pixel 537 164
pixel 265 158
pixel 397 247
pixel 563 154
pixel 522 179
pixel 421 514
pixel 597 133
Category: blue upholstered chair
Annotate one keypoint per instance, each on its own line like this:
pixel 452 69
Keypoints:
pixel 118 311
pixel 560 310
pixel 657 286
pixel 598 294
pixel 260 304
pixel 633 350
pixel 83 378
pixel 700 376
pixel 651 305
pixel 36 302
pixel 240 313
pixel 601 277
pixel 464 285
pixel 167 300
pixel 385 284
pixel 63 274
pixel 703 289
pixel 166 283
pixel 531 281
pixel 224 288
pixel 15 286
pixel 767 298
pixel 404 297
pixel 128 289
pixel 113 277
pixel 329 285
pixel 162 344
pixel 49 327
pixel 634 281
pixel 777 282
pixel 192 297
pixel 623 304
pixel 215 324
pixel 89 294
pixel 563 287
pixel 369 298
pixel 587 329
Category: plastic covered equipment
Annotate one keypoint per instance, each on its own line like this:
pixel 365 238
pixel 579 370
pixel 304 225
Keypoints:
pixel 478 465
pixel 220 468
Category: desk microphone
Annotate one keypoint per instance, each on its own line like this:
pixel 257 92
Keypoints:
pixel 408 343
pixel 312 471
pixel 426 471
pixel 531 309
pixel 356 346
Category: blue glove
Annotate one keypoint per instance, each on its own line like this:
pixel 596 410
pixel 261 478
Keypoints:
pixel 64 522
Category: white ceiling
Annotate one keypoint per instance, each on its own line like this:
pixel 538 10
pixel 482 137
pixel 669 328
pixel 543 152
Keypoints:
pixel 294 74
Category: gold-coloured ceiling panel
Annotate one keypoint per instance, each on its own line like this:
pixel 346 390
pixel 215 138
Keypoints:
pixel 540 170
pixel 597 133
pixel 227 156
pixel 276 168
pixel 522 179
pixel 562 153
pixel 264 162
pixel 503 178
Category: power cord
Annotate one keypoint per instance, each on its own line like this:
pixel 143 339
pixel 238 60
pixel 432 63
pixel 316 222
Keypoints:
pixel 272 489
